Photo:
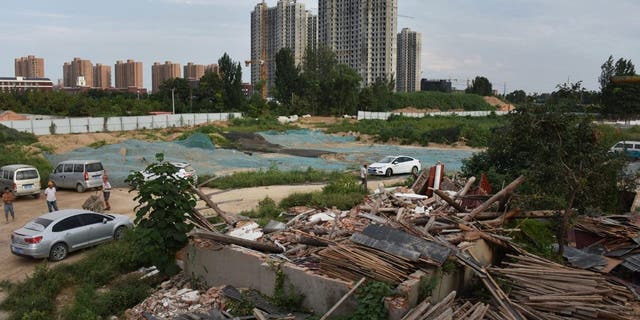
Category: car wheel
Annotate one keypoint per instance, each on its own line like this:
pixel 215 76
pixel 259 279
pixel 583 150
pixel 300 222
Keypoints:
pixel 80 188
pixel 119 233
pixel 388 173
pixel 36 196
pixel 58 252
pixel 414 170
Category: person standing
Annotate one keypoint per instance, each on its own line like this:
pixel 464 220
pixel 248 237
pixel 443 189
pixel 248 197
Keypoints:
pixel 50 196
pixel 7 198
pixel 363 177
pixel 106 191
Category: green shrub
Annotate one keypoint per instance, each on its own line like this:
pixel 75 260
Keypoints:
pixel 342 201
pixel 13 136
pixel 296 199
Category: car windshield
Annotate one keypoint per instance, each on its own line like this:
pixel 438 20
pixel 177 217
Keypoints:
pixel 93 167
pixel 26 175
pixel 39 224
pixel 387 159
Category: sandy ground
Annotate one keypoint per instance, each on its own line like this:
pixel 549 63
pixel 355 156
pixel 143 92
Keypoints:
pixel 16 268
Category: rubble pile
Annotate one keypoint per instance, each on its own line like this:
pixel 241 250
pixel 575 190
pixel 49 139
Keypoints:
pixel 450 309
pixel 176 297
pixel 550 290
pixel 397 231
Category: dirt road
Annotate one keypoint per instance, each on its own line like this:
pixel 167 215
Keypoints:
pixel 16 268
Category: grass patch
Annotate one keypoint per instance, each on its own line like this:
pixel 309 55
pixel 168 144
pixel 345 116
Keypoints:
pixel 343 193
pixel 474 131
pixel 259 124
pixel 440 100
pixel 97 144
pixel 13 136
pixel 35 297
pixel 270 177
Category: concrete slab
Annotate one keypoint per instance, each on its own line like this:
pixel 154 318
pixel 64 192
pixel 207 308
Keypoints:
pixel 244 268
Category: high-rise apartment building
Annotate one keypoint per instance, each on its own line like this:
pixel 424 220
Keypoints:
pixel 282 26
pixel 128 74
pixel 409 50
pixel 101 76
pixel 362 34
pixel 161 72
pixel 196 71
pixel 29 66
pixel 77 73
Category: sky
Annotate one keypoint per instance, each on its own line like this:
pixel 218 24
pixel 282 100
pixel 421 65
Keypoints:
pixel 516 44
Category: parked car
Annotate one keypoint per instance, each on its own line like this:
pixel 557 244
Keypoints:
pixel 391 165
pixel 78 174
pixel 57 233
pixel 629 148
pixel 21 179
pixel 185 171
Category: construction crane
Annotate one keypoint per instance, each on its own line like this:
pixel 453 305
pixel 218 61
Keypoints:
pixel 263 50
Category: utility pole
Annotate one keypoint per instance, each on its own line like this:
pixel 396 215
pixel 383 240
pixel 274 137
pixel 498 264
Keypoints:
pixel 173 102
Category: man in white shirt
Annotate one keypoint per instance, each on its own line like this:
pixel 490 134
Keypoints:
pixel 50 193
pixel 363 177
pixel 106 191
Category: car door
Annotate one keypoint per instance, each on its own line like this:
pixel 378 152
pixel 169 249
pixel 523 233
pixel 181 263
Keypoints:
pixel 99 230
pixel 72 232
pixel 405 164
pixel 66 178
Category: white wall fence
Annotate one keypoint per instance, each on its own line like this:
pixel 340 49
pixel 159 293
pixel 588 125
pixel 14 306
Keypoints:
pixel 368 115
pixel 87 125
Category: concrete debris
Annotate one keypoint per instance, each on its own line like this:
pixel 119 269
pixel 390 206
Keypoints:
pixel 176 299
pixel 248 230
pixel 398 231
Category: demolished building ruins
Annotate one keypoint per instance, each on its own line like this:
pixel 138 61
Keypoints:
pixel 452 240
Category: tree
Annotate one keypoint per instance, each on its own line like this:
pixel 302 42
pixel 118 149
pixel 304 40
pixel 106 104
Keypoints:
pixel 517 96
pixel 480 86
pixel 620 100
pixel 565 166
pixel 607 71
pixel 287 80
pixel 567 97
pixel 161 215
pixel 378 96
pixel 181 94
pixel 232 83
pixel 210 91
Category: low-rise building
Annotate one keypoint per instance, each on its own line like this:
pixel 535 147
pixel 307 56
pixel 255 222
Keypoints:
pixel 22 84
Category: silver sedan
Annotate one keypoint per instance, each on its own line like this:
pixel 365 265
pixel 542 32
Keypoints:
pixel 57 233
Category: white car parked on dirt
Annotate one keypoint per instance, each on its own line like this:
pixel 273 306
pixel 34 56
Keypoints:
pixel 391 165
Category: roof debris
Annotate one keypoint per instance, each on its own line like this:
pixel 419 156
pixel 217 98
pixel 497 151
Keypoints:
pixel 397 231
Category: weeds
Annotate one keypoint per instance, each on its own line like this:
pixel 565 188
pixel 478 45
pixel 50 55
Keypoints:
pixel 271 176
pixel 97 144
pixel 474 131
pixel 35 297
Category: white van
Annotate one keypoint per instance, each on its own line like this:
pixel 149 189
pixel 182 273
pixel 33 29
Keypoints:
pixel 78 174
pixel 21 179
pixel 630 148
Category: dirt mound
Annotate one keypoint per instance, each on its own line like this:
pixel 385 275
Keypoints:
pixel 502 106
